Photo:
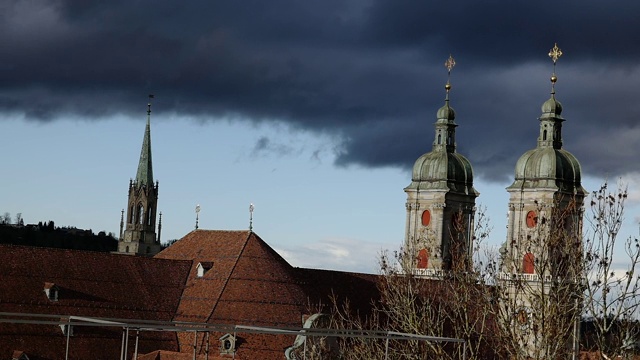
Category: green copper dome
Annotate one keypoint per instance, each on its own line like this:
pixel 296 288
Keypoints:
pixel 443 170
pixel 442 167
pixel 548 168
pixel 446 112
pixel 548 165
pixel 551 107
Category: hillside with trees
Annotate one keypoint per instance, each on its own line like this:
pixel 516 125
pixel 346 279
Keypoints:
pixel 46 234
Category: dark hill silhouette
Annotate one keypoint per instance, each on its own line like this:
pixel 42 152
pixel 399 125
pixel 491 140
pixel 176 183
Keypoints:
pixel 47 235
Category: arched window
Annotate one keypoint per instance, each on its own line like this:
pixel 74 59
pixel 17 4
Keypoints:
pixel 126 249
pixel 140 215
pixel 149 219
pixel 439 139
pixel 131 215
pixel 544 135
pixel 528 263
pixel 423 259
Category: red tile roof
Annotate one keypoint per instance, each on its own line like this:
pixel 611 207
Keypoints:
pixel 91 284
pixel 249 284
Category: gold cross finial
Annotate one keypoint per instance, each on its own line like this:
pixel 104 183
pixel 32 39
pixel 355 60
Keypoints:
pixel 449 64
pixel 555 53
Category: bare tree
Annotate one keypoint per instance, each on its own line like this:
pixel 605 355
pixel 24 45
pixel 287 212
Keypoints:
pixel 19 221
pixel 456 303
pixel 525 304
pixel 611 287
pixel 6 219
pixel 538 286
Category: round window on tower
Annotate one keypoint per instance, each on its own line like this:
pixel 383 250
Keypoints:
pixel 426 218
pixel 532 219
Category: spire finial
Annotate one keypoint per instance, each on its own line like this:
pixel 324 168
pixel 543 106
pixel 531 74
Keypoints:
pixel 251 208
pixel 151 96
pixel 449 64
pixel 197 215
pixel 554 54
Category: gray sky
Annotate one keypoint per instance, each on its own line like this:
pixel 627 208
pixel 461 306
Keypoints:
pixel 369 73
pixel 313 110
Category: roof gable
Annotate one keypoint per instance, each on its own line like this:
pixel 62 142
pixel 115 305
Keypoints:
pixel 249 284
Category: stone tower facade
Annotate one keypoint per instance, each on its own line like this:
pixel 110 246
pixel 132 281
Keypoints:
pixel 440 202
pixel 541 256
pixel 139 236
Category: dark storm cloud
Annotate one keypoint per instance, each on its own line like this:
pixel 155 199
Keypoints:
pixel 369 71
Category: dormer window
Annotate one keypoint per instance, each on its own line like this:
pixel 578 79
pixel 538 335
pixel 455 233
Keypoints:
pixel 203 267
pixel 227 344
pixel 51 290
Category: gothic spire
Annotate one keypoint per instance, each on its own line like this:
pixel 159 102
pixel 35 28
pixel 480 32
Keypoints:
pixel 144 175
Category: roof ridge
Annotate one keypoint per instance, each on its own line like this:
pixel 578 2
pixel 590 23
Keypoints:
pixel 226 281
pixel 72 251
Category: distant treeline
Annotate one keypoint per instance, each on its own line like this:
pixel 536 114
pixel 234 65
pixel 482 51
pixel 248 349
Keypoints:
pixel 45 234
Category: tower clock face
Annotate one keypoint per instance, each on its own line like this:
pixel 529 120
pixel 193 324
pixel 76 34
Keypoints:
pixel 532 219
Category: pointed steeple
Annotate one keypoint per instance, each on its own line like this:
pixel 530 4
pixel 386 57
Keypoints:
pixel 140 233
pixel 144 175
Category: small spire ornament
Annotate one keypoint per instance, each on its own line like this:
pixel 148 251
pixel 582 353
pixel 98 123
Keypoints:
pixel 251 208
pixel 449 64
pixel 197 215
pixel 555 53
pixel 151 96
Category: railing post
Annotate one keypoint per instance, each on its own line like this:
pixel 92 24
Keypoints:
pixel 135 351
pixel 386 348
pixel 195 343
pixel 122 346
pixel 126 344
pixel 66 351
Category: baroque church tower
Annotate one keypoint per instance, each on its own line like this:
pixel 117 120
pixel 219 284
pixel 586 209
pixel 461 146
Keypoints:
pixel 547 194
pixel 440 201
pixel 139 237
pixel 541 255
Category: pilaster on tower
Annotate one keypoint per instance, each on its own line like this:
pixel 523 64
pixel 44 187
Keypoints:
pixel 440 201
pixel 140 231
